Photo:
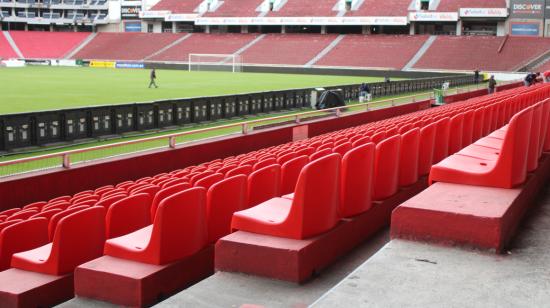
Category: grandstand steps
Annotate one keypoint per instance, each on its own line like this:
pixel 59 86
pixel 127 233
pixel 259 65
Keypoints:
pixel 412 274
pixel 250 44
pixel 420 53
pixel 163 49
pixel 85 42
pixel 10 40
pixel 536 63
pixel 325 51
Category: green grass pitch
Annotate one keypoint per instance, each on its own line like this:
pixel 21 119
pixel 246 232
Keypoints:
pixel 49 88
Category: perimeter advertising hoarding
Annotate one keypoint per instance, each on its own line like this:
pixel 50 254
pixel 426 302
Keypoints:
pixel 130 12
pixel 527 9
pixel 525 29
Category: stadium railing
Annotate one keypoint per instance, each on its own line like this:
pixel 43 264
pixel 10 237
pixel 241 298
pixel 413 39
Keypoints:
pixel 65 159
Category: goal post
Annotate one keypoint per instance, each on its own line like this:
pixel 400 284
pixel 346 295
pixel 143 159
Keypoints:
pixel 215 62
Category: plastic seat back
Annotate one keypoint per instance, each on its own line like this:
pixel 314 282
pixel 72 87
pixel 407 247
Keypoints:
pixel 386 168
pixel 286 157
pixel 456 126
pixel 36 205
pixel 319 154
pixel 441 146
pixel 106 202
pixel 356 180
pixel 534 139
pixel 54 220
pixel 165 193
pixel 195 177
pixel 360 141
pixel 21 236
pixel 79 238
pixel 222 200
pixel 128 215
pixel 23 214
pixel 264 163
pixel 342 149
pixel 263 184
pixel 210 180
pixel 305 151
pixel 46 214
pixel 408 162
pixel 245 170
pixel 151 190
pixel 544 125
pixel 468 128
pixel 290 171
pixel 315 210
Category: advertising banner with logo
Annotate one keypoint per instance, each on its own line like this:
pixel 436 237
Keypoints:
pixel 132 26
pixel 484 12
pixel 181 17
pixel 102 64
pixel 433 16
pixel 129 65
pixel 527 9
pixel 525 29
pixel 304 21
pixel 153 14
pixel 130 12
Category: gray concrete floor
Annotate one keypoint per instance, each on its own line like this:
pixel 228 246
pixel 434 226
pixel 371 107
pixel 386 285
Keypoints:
pixel 410 274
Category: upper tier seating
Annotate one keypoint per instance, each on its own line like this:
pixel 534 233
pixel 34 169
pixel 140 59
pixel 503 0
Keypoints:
pixel 302 8
pixel 205 43
pixel 455 5
pixel 373 51
pixel 381 8
pixel 292 49
pixel 177 6
pixel 6 51
pixel 47 45
pixel 125 46
pixel 236 8
pixel 477 52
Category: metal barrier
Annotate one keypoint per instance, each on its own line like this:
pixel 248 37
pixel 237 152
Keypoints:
pixel 67 158
pixel 42 128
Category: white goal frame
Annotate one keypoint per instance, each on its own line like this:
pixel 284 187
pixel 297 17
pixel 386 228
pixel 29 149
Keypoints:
pixel 198 60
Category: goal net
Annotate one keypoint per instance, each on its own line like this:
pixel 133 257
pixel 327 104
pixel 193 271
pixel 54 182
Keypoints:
pixel 215 62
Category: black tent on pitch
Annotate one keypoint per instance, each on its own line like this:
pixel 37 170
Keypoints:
pixel 330 99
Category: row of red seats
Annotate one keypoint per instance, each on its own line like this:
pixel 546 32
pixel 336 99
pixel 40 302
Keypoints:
pixel 343 170
pixel 313 209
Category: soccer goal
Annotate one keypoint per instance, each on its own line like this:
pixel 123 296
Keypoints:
pixel 215 62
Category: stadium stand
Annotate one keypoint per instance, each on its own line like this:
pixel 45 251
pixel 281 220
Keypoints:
pixel 47 45
pixel 300 8
pixel 177 6
pixel 290 49
pixel 205 43
pixel 395 136
pixel 236 8
pixel 514 52
pixel 456 5
pixel 6 51
pixel 381 8
pixel 125 46
pixel 373 51
pixel 543 67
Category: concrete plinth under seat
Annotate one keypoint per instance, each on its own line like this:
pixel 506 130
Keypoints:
pixel 482 217
pixel 299 260
pixel 135 284
pixel 19 288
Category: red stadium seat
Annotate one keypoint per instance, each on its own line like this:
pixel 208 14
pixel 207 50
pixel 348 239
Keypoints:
pixel 23 214
pixel 507 171
pixel 150 189
pixel 441 145
pixel 264 163
pixel 21 236
pixel 128 215
pixel 468 128
pixel 62 198
pixel 10 211
pixel 46 214
pixel 210 180
pixel 109 200
pixel 533 154
pixel 54 220
pixel 78 238
pixel 320 153
pixel 456 127
pixel 343 148
pixel 244 170
pixel 311 212
pixel 386 168
pixel 165 193
pixel 290 171
pixel 286 157
pixel 356 180
pixel 222 200
pixel 179 230
pixel 263 184
pixel 408 161
pixel 36 205
pixel 426 151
